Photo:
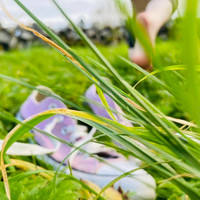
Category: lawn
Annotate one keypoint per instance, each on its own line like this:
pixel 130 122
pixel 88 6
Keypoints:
pixel 40 65
pixel 168 148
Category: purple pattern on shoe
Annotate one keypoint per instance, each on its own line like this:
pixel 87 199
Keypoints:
pixel 92 95
pixel 59 125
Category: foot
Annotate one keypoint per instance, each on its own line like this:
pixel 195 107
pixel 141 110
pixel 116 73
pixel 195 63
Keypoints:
pixel 138 54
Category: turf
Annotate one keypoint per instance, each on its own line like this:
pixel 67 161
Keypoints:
pixel 45 66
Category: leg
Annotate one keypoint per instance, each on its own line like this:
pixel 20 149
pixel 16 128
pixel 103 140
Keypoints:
pixel 156 14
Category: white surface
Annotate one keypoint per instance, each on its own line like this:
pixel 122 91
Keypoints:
pixel 24 149
pixel 101 12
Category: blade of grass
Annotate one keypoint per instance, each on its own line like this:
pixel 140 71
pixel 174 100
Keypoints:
pixel 190 56
pixel 44 27
pixel 106 106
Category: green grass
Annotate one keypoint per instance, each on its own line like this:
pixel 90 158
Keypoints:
pixel 39 188
pixel 168 153
pixel 42 65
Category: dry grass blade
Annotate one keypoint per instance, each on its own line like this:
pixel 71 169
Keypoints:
pixel 179 121
pixel 29 166
pixel 3 166
pixel 45 39
pixel 175 177
pixel 5 176
pixel 8 165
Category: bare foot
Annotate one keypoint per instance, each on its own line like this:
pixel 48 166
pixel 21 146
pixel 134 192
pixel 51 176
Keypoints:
pixel 137 54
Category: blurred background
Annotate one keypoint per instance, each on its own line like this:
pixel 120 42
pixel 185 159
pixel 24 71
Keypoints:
pixel 100 20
